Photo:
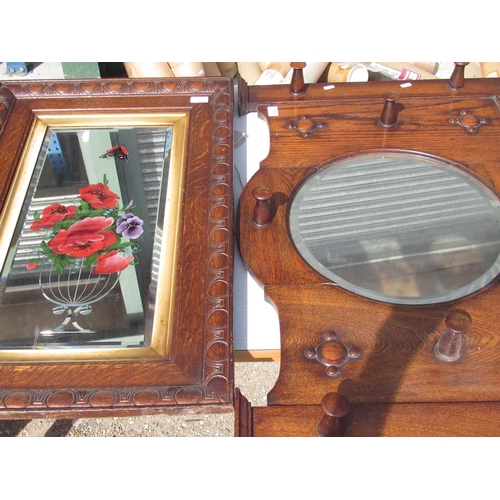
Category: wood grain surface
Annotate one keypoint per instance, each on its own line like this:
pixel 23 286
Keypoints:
pixel 383 420
pixel 199 370
pixel 388 369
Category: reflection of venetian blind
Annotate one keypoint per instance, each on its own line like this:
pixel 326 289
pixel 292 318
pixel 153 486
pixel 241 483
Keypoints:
pixel 386 198
pixel 152 146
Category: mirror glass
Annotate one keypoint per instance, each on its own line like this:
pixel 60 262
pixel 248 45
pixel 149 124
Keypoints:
pixel 399 228
pixel 82 267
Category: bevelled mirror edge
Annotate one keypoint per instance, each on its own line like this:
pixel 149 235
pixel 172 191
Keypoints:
pixel 435 186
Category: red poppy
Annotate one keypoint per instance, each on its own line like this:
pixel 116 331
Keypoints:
pixel 52 215
pixel 111 263
pixel 84 238
pixel 99 196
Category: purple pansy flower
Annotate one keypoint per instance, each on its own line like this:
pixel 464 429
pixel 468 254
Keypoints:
pixel 129 225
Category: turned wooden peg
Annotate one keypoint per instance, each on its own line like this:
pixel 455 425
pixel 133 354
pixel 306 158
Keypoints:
pixel 335 406
pixel 449 346
pixel 389 117
pixel 262 213
pixel 297 85
pixel 457 78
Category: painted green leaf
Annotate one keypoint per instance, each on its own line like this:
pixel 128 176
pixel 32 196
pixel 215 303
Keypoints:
pixel 119 246
pixel 47 251
pixel 90 260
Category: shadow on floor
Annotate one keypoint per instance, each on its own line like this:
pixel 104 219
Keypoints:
pixel 12 428
pixel 60 428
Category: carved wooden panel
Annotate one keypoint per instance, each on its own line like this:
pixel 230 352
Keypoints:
pixel 198 371
pixel 320 320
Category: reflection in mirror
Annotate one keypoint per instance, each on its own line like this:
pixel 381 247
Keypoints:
pixel 82 267
pixel 400 228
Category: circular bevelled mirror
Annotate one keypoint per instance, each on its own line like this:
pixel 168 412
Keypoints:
pixel 399 227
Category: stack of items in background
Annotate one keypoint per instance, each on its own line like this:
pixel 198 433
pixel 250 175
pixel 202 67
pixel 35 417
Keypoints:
pixel 268 73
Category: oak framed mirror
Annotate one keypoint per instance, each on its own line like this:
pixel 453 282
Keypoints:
pixel 115 247
pixel 378 243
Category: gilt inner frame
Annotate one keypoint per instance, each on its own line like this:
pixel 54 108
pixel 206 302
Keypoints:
pixel 161 338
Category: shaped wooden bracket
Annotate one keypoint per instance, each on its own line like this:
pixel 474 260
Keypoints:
pixel 332 353
pixel 305 125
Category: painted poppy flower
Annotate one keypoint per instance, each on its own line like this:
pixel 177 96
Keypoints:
pixel 109 263
pixel 130 226
pixel 53 214
pixel 31 265
pixel 84 238
pixel 99 196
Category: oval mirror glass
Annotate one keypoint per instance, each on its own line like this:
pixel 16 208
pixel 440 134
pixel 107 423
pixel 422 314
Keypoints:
pixel 399 228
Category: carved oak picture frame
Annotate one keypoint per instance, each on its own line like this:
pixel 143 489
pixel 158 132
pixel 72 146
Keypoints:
pixel 187 362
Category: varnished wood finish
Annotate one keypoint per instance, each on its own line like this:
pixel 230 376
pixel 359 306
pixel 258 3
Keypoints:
pixel 390 420
pixel 262 213
pixel 397 361
pixel 199 371
pixel 6 102
pixel 457 79
pixel 242 415
pixel 258 96
pixel 389 117
pixel 297 85
pixel 397 367
pixel 335 407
